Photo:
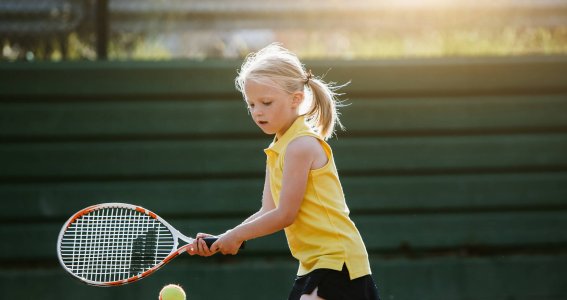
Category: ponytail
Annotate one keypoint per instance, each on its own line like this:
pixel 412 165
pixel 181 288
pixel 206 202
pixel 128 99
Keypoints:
pixel 323 114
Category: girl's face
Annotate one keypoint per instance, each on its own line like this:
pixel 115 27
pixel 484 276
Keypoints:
pixel 271 108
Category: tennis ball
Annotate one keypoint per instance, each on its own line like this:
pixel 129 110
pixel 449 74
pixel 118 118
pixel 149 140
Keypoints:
pixel 172 292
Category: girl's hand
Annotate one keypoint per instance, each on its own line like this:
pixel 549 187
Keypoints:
pixel 228 243
pixel 199 247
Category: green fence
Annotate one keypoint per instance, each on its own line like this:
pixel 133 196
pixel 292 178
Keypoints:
pixel 455 171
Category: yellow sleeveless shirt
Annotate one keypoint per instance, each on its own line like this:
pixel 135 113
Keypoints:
pixel 322 235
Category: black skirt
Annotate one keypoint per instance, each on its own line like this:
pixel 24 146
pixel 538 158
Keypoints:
pixel 335 285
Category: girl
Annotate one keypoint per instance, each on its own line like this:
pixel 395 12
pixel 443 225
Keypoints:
pixel 302 192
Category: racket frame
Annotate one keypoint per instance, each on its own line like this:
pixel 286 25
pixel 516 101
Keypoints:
pixel 174 252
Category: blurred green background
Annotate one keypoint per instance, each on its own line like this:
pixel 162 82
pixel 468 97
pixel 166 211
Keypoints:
pixel 56 30
pixel 454 161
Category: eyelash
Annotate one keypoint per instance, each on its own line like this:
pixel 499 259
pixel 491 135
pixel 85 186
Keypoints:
pixel 250 106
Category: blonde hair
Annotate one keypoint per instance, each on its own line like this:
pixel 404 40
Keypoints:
pixel 277 66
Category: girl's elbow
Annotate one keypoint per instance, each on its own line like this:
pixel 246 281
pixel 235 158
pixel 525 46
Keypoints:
pixel 287 219
pixel 284 217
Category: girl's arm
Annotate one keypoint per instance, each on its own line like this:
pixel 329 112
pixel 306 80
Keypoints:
pixel 267 200
pixel 299 158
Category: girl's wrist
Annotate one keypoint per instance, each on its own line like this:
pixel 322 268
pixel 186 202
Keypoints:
pixel 237 233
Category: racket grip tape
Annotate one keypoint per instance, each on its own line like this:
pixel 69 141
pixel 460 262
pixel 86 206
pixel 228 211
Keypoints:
pixel 210 240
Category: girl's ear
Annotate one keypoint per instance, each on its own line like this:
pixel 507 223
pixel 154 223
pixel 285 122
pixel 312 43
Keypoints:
pixel 297 99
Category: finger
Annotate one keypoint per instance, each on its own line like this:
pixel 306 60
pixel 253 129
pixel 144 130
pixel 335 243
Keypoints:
pixel 202 248
pixel 191 249
pixel 214 247
pixel 201 235
pixel 206 250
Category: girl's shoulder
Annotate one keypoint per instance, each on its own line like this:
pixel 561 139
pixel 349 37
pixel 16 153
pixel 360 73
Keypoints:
pixel 308 147
pixel 304 143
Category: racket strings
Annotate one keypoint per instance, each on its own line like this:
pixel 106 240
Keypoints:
pixel 112 244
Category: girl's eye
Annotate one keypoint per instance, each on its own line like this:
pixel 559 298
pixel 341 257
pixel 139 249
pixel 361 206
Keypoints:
pixel 267 103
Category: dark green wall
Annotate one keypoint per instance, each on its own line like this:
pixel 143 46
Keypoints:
pixel 455 171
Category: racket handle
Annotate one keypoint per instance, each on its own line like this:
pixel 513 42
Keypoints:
pixel 211 239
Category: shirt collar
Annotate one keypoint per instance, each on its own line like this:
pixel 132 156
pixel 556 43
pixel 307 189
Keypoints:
pixel 278 144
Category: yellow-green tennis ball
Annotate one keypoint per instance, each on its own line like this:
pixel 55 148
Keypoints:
pixel 172 292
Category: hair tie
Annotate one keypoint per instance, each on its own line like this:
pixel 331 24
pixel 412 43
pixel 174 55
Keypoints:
pixel 308 76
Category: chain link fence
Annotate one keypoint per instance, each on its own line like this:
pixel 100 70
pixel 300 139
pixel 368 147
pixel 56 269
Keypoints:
pixel 36 30
pixel 42 29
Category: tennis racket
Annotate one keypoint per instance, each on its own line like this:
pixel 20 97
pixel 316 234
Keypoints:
pixel 115 244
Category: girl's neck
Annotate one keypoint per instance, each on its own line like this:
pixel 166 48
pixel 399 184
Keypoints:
pixel 285 128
